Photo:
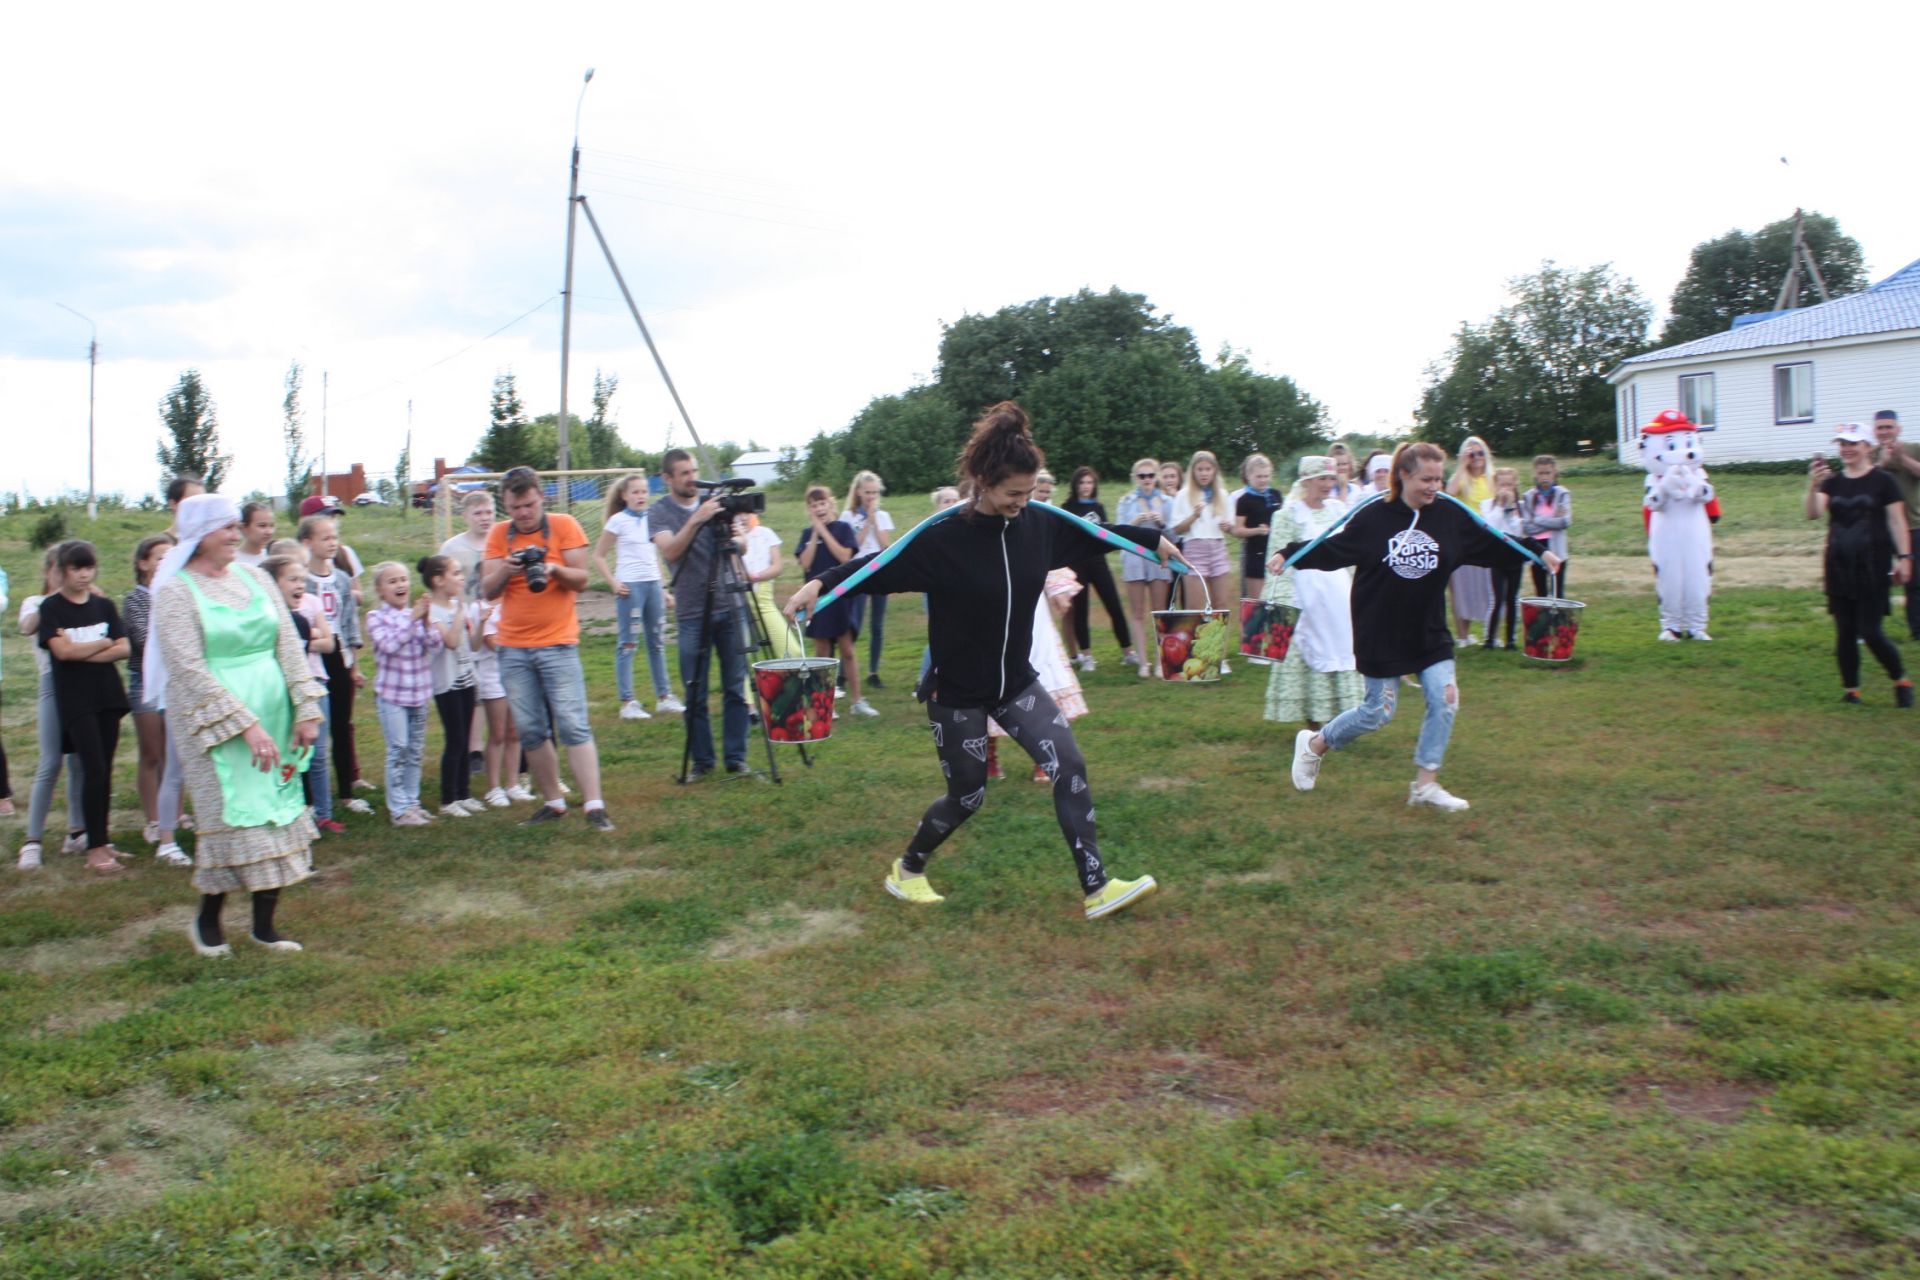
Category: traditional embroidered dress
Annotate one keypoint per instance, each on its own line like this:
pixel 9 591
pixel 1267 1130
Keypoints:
pixel 234 660
pixel 1317 679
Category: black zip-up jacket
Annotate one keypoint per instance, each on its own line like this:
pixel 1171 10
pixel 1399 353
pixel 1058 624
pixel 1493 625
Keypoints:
pixel 982 576
pixel 1400 584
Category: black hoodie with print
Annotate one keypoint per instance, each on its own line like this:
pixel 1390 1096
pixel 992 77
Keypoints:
pixel 1402 560
pixel 982 576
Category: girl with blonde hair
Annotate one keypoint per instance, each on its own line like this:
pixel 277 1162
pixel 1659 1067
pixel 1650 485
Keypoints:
pixel 873 529
pixel 1148 584
pixel 1472 585
pixel 1201 518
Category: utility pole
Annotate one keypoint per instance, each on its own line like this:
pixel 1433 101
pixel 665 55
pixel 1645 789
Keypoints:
pixel 93 360
pixel 323 431
pixel 566 293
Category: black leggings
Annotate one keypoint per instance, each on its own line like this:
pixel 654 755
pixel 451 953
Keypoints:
pixel 1857 621
pixel 1506 595
pixel 94 736
pixel 1032 720
pixel 1097 577
pixel 456 718
pixel 346 764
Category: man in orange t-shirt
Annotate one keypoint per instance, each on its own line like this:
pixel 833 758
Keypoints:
pixel 539 642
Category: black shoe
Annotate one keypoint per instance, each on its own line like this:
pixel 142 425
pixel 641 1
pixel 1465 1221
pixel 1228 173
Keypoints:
pixel 697 772
pixel 1850 698
pixel 874 681
pixel 739 766
pixel 598 819
pixel 1903 696
pixel 545 813
pixel 476 763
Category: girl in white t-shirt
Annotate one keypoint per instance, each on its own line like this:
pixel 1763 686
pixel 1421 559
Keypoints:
pixel 760 555
pixel 455 680
pixel 640 601
pixel 1201 518
pixel 504 761
pixel 874 530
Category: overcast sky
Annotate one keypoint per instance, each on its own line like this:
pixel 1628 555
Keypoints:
pixel 800 195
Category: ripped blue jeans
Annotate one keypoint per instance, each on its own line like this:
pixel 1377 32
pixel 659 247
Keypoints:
pixel 1441 688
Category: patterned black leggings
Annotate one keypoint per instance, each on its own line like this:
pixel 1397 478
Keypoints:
pixel 1033 721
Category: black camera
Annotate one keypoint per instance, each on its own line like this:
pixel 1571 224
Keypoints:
pixel 534 561
pixel 732 501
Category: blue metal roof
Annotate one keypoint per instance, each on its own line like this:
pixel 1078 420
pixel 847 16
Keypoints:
pixel 1887 307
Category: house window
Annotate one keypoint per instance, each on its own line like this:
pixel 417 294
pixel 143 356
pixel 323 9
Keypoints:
pixel 1793 392
pixel 1696 400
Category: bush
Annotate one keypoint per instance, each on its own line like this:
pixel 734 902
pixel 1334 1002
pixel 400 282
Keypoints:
pixel 773 1188
pixel 48 529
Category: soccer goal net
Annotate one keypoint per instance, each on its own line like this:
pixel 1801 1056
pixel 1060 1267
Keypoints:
pixel 581 494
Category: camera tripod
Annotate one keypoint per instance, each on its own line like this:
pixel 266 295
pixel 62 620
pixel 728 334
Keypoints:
pixel 729 575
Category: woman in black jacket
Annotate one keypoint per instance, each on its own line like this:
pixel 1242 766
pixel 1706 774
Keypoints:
pixel 1085 503
pixel 982 570
pixel 1404 548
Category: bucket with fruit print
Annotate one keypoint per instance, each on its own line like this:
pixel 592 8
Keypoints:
pixel 1194 643
pixel 1266 630
pixel 1550 625
pixel 796 697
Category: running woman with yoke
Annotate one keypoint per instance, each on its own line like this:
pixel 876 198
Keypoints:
pixel 983 569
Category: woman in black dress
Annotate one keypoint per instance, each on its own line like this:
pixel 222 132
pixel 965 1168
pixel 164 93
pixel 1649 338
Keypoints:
pixel 1084 501
pixel 1867 551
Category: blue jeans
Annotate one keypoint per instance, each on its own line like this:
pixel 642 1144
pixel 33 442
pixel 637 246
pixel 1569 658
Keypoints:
pixel 545 679
pixel 733 681
pixel 649 601
pixel 876 634
pixel 406 730
pixel 319 787
pixel 46 770
pixel 1373 713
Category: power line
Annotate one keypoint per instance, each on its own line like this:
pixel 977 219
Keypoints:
pixel 724 213
pixel 386 386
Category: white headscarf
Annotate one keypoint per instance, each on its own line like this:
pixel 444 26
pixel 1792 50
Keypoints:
pixel 194 519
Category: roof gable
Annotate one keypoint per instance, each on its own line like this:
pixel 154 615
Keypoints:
pixel 1887 307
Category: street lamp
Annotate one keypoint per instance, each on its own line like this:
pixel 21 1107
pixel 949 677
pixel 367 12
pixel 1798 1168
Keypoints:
pixel 566 290
pixel 93 359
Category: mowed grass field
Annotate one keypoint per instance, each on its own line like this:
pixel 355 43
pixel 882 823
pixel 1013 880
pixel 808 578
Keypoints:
pixel 1647 1010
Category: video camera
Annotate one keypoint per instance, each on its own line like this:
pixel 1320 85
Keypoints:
pixel 732 500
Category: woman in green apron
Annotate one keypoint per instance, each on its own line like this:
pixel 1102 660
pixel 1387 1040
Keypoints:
pixel 243 710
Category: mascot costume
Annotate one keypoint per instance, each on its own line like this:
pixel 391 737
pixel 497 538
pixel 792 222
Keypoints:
pixel 1680 512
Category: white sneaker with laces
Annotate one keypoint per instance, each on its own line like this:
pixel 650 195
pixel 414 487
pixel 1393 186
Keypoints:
pixel 472 804
pixel 1306 761
pixel 1432 793
pixel 861 707
pixel 1670 636
pixel 631 710
pixel 497 799
pixel 172 855
pixel 1085 662
pixel 357 805
pixel 29 856
pixel 518 791
pixel 1701 635
pixel 670 705
pixel 454 809
pixel 1132 659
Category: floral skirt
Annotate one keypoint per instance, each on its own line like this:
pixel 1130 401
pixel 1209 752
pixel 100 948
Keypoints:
pixel 1297 693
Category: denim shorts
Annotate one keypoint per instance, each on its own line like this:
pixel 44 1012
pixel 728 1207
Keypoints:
pixel 549 676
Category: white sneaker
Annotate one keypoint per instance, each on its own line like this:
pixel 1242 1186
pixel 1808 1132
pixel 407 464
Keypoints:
pixel 1306 761
pixel 424 812
pixel 1132 659
pixel 411 818
pixel 518 791
pixel 1224 668
pixel 472 804
pixel 1670 636
pixel 29 856
pixel 670 706
pixel 838 693
pixel 631 710
pixel 861 707
pixel 1701 635
pixel 497 799
pixel 357 805
pixel 74 844
pixel 1434 794
pixel 172 855
pixel 1085 662
pixel 454 809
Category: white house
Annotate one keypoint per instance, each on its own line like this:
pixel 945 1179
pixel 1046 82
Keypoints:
pixel 760 466
pixel 1773 389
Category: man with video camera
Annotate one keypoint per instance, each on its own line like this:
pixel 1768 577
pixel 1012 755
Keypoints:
pixel 538 563
pixel 680 529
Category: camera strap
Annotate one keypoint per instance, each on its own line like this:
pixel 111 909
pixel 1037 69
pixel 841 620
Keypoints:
pixel 545 533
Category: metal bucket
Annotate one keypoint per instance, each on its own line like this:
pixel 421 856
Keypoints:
pixel 1266 630
pixel 1194 643
pixel 796 697
pixel 1550 625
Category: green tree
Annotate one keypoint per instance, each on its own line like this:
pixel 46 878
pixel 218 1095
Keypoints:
pixel 403 475
pixel 1534 376
pixel 910 439
pixel 602 446
pixel 191 446
pixel 506 442
pixel 1740 273
pixel 1254 412
pixel 293 434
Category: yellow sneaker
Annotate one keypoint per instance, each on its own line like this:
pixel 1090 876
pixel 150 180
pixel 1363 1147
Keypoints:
pixel 909 888
pixel 1117 894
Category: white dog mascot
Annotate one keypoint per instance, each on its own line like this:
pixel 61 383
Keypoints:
pixel 1680 511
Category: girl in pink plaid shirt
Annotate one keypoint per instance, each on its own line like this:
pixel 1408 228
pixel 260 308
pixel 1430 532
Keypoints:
pixel 404 642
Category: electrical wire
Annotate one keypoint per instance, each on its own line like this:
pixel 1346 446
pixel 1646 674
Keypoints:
pixel 404 378
pixel 724 213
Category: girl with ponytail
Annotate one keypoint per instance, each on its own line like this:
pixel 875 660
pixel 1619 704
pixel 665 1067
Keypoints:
pixel 983 572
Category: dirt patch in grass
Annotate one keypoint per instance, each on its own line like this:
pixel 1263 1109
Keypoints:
pixel 342 1058
pixel 113 1157
pixel 1197 1079
pixel 86 1016
pixel 100 950
pixel 784 929
pixel 447 904
pixel 608 877
pixel 1716 1101
pixel 1155 782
